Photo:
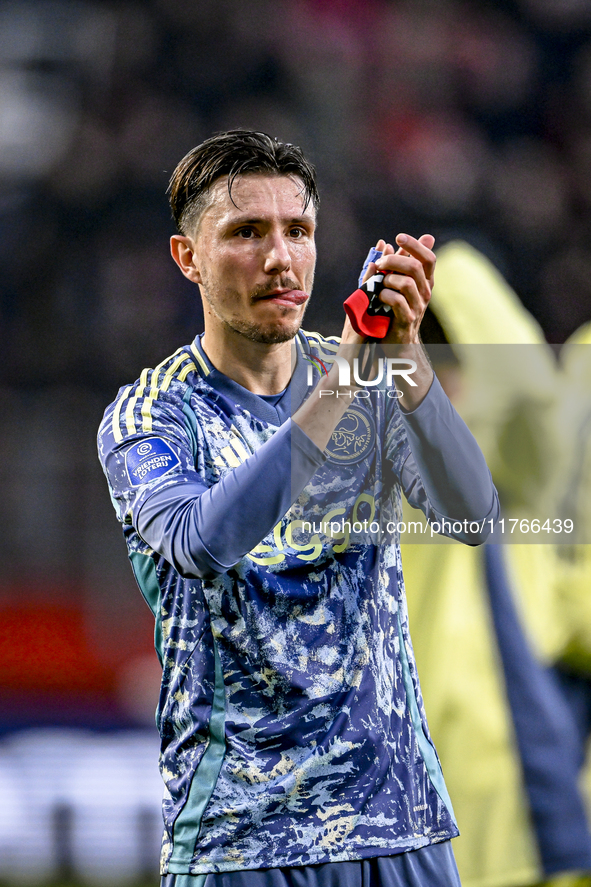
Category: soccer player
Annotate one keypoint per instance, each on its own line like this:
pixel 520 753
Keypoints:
pixel 295 748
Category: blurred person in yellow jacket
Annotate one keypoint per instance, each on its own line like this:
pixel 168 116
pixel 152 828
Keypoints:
pixel 573 665
pixel 486 624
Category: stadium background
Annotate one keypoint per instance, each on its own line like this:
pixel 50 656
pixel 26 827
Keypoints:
pixel 469 120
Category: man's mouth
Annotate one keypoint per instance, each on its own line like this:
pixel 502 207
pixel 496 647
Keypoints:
pixel 291 298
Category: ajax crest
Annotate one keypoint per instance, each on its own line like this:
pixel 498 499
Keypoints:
pixel 353 438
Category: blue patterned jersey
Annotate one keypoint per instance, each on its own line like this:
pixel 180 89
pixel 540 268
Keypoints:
pixel 292 724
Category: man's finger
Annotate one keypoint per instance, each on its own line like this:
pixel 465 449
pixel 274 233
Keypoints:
pixel 427 240
pixel 420 248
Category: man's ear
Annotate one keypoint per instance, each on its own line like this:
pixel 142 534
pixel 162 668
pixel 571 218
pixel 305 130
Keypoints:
pixel 182 250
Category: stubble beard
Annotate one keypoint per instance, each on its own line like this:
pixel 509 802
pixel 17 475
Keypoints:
pixel 264 334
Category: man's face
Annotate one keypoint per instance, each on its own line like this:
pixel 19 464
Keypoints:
pixel 255 255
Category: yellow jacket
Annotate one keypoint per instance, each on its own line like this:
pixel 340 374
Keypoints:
pixel 507 397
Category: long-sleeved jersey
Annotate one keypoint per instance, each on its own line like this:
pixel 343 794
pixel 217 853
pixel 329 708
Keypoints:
pixel 291 717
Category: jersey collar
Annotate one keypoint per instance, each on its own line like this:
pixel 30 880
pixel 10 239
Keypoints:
pixel 293 397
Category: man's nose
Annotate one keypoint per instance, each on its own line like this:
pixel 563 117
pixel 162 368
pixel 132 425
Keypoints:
pixel 278 257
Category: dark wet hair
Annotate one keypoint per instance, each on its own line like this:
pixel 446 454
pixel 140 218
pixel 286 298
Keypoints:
pixel 233 153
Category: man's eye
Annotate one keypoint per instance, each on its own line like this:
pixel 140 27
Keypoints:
pixel 297 232
pixel 246 233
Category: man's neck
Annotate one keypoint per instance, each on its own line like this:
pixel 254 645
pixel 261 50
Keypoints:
pixel 262 369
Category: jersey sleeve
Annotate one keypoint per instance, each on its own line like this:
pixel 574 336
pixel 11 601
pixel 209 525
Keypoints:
pixel 203 528
pixel 206 532
pixel 142 450
pixel 443 471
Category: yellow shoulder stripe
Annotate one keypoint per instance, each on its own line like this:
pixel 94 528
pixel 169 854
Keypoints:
pixel 199 359
pixel 158 383
pixel 188 368
pixel 164 386
pixel 117 415
pixel 129 419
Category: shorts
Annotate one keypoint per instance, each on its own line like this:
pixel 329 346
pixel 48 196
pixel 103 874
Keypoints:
pixel 432 866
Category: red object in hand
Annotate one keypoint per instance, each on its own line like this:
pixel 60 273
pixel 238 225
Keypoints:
pixel 368 315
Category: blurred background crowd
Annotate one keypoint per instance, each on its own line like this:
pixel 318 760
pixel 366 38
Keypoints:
pixel 464 118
